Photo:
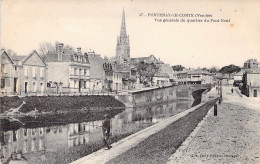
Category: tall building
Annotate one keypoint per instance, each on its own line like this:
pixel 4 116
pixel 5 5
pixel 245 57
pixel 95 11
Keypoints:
pixel 68 71
pixel 122 47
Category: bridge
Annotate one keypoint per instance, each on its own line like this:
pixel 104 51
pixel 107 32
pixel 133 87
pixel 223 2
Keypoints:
pixel 163 94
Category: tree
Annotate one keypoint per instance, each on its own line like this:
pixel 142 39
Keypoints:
pixel 146 71
pixel 230 69
pixel 213 70
pixel 46 47
pixel 178 68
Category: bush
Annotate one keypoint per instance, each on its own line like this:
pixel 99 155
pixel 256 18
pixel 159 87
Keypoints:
pixel 9 102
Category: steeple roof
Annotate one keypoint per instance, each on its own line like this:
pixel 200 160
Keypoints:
pixel 123 28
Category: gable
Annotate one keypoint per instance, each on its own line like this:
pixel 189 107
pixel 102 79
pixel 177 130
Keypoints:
pixel 5 58
pixel 34 59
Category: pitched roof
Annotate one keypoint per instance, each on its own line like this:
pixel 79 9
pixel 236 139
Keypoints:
pixel 3 51
pixel 253 71
pixel 199 71
pixel 67 56
pixel 240 73
pixel 159 74
pixel 33 52
pixel 16 59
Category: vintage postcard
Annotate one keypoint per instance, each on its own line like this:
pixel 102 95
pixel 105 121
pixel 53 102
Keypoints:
pixel 129 81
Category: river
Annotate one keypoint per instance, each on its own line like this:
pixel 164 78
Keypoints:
pixel 28 141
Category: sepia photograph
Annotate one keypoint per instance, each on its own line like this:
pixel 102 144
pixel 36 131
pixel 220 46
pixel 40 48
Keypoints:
pixel 129 81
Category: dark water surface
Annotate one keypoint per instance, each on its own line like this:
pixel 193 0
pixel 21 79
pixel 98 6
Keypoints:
pixel 25 140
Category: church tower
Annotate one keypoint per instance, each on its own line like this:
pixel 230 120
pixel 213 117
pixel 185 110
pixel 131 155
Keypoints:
pixel 122 47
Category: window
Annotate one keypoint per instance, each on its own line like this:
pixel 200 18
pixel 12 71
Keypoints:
pixel 2 83
pixel 85 84
pixel 3 68
pixel 75 71
pixel 25 132
pixel 85 72
pixel 33 148
pixel 34 87
pixel 40 144
pixel 75 83
pixel 33 132
pixel 41 72
pixel 25 71
pixel 34 72
pixel 15 135
pixel 80 72
pixel 41 131
pixel 15 68
pixel 25 147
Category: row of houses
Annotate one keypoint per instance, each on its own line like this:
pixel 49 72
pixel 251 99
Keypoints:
pixel 193 76
pixel 63 71
pixel 247 79
pixel 22 74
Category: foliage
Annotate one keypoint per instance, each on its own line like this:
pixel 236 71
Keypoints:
pixel 230 69
pixel 146 71
pixel 46 47
pixel 9 102
pixel 213 70
pixel 178 68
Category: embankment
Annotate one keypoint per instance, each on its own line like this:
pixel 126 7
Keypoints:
pixel 59 103
pixel 164 94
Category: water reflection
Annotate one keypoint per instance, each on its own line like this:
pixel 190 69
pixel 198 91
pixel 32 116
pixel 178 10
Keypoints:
pixel 53 138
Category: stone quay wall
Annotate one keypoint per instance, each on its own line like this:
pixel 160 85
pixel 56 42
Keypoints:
pixel 160 95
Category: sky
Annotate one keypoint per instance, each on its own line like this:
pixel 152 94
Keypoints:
pixel 95 25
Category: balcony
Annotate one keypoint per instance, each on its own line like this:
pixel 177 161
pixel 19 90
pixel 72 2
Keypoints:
pixel 73 76
pixel 83 77
pixel 4 74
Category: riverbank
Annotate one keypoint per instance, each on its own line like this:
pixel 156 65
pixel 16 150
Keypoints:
pixel 57 104
pixel 160 146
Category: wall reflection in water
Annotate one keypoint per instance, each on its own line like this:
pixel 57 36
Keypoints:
pixel 59 137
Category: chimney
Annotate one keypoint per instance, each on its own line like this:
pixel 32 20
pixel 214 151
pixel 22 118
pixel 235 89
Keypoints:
pixel 79 49
pixel 60 51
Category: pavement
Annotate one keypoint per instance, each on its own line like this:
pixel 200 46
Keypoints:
pixel 231 137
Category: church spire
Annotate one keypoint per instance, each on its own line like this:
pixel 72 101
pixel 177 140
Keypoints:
pixel 123 28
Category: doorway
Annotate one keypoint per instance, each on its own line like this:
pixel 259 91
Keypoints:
pixel 255 93
pixel 25 87
pixel 15 85
pixel 79 85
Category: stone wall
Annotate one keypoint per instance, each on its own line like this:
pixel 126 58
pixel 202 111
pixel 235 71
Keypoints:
pixel 160 95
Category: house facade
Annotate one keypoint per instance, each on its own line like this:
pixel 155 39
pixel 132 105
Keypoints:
pixel 251 83
pixel 8 75
pixel 97 72
pixel 108 81
pixel 68 71
pixel 32 73
pixel 250 64
pixel 161 79
pixel 193 76
pixel 117 84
